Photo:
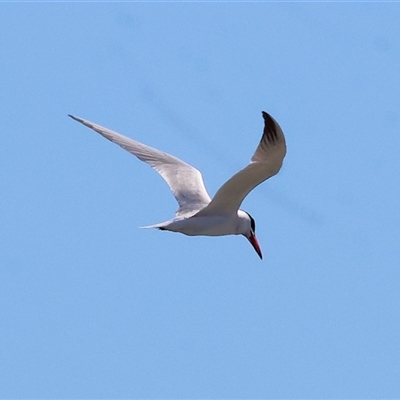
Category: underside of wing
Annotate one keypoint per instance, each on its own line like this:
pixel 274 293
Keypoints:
pixel 266 162
pixel 185 181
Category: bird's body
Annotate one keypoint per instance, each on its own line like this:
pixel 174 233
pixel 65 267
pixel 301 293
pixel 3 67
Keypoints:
pixel 198 214
pixel 215 225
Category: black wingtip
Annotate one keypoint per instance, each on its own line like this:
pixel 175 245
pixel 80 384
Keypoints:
pixel 269 121
pixel 266 116
pixel 270 131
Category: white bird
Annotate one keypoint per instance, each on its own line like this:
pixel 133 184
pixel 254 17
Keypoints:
pixel 197 213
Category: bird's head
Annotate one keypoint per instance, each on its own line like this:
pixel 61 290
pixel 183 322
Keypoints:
pixel 248 229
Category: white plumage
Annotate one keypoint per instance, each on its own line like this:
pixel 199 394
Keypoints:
pixel 197 213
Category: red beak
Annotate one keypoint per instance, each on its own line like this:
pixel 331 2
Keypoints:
pixel 254 242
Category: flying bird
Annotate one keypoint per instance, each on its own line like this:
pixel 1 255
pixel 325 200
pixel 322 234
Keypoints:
pixel 198 214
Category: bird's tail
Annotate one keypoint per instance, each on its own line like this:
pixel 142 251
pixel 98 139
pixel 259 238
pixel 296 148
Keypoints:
pixel 161 225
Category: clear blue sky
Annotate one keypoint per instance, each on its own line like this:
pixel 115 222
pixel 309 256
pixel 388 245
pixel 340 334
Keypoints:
pixel 93 306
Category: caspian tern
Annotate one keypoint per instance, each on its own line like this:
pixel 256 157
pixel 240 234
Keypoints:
pixel 197 213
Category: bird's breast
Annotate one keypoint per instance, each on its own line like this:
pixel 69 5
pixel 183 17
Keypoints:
pixel 205 226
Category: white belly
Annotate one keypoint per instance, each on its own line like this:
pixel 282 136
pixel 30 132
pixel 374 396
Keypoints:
pixel 205 226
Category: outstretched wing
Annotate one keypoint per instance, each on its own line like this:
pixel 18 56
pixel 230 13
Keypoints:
pixel 266 162
pixel 185 181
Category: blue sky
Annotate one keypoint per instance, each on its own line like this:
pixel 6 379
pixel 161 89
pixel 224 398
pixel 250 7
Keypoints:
pixel 92 306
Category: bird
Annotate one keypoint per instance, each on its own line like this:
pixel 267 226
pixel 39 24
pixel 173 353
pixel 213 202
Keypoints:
pixel 198 214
